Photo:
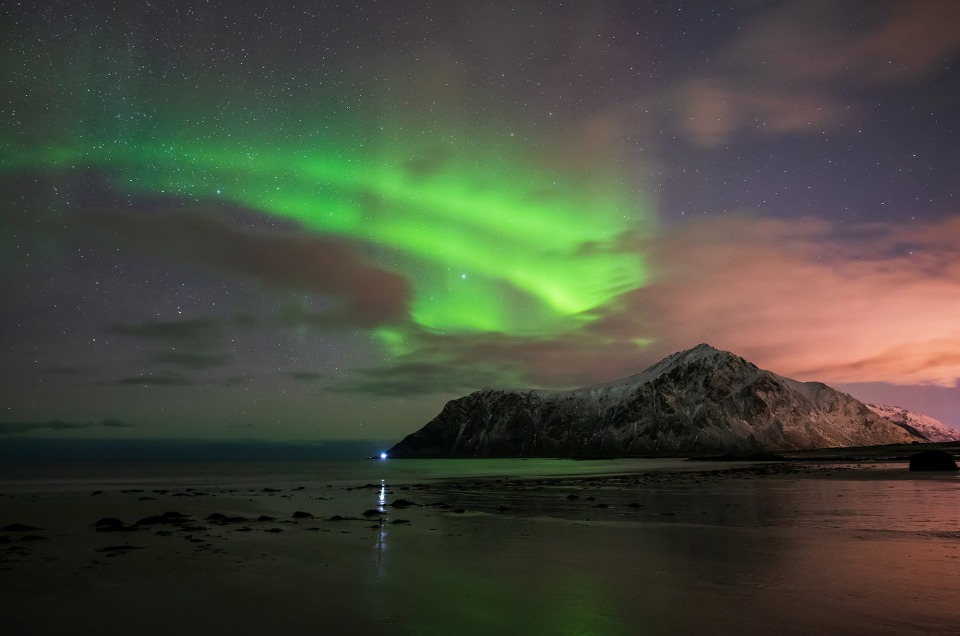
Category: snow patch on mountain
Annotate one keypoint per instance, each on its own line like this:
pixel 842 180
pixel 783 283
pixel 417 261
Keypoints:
pixel 933 429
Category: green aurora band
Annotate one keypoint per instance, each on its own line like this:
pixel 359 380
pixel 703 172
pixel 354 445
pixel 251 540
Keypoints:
pixel 494 235
pixel 490 245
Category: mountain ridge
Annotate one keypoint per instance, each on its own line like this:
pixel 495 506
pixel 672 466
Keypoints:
pixel 697 400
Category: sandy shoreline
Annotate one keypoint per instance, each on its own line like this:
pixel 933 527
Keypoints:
pixel 589 554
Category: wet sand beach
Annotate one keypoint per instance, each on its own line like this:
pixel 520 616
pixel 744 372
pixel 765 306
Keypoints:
pixel 657 548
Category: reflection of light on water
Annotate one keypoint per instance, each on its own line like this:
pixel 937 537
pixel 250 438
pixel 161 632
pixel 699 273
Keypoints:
pixel 381 548
pixel 382 532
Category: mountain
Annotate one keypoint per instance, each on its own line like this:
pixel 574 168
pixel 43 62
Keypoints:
pixel 933 430
pixel 697 401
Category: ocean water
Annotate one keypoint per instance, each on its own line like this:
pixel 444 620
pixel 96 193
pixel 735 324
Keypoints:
pixel 507 547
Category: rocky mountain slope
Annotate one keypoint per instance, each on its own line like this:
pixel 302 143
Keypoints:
pixel 933 429
pixel 697 401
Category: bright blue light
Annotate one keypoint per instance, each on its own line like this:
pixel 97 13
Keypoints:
pixel 383 455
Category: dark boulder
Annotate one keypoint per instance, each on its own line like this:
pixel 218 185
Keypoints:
pixel 220 518
pixel 19 527
pixel 112 524
pixel 120 549
pixel 108 521
pixel 167 518
pixel 932 460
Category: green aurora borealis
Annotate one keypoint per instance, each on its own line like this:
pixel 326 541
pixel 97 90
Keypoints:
pixel 492 244
pixel 494 231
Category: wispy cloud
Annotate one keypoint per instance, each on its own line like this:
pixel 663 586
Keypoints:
pixel 306 376
pixel 14 428
pixel 800 66
pixel 202 331
pixel 192 360
pixel 156 379
pixel 801 298
pixel 422 377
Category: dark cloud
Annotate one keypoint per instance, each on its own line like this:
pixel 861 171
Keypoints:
pixel 153 379
pixel 571 359
pixel 192 360
pixel 195 330
pixel 306 376
pixel 428 162
pixel 369 296
pixel 14 428
pixel 413 378
pixel 237 380
pixel 247 320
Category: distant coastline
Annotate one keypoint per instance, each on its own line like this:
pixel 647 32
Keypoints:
pixel 67 450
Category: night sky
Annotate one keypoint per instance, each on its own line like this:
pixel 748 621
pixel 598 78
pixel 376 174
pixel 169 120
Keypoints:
pixel 323 220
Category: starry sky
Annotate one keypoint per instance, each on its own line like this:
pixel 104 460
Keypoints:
pixel 322 220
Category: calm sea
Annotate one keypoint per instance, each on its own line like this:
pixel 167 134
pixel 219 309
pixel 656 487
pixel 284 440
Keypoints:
pixel 663 549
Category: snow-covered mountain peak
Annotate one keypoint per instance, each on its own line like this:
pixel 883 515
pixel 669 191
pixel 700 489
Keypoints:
pixel 701 354
pixel 705 358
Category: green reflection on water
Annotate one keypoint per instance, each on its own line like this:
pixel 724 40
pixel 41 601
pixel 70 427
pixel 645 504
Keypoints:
pixel 429 593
